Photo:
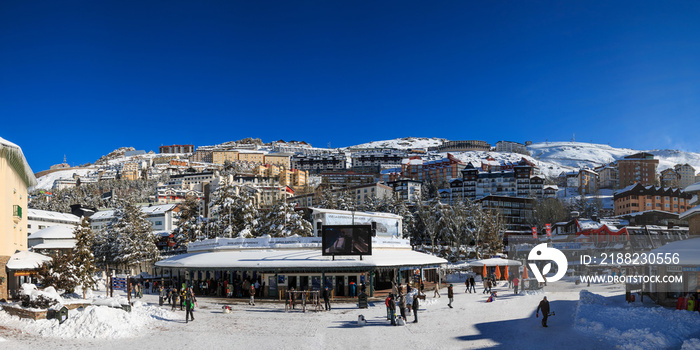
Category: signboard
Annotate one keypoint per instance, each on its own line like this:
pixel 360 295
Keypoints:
pixel 548 228
pixel 386 227
pixel 674 269
pixel 346 240
pixel 691 269
pixel 534 232
pixel 118 283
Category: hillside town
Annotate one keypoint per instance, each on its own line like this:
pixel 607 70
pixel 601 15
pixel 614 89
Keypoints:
pixel 246 219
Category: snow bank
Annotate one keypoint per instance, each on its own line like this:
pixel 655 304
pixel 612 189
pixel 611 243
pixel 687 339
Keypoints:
pixel 94 322
pixel 33 293
pixel 633 326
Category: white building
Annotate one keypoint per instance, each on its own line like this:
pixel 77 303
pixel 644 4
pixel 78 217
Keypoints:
pixel 41 219
pixel 385 224
pixel 52 238
pixel 162 217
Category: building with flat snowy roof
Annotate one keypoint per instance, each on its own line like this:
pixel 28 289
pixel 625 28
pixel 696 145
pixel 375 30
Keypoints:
pixel 279 264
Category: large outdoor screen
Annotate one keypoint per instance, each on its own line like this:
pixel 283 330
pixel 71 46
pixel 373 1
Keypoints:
pixel 347 239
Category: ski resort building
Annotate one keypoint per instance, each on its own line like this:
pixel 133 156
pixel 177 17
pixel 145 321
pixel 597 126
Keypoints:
pixel 282 263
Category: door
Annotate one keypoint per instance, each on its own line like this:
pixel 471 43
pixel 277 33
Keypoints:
pixel 339 286
pixel 304 285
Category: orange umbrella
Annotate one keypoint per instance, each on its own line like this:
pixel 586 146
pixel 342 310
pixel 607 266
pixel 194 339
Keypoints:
pixel 498 272
pixel 524 272
pixel 483 273
pixel 506 275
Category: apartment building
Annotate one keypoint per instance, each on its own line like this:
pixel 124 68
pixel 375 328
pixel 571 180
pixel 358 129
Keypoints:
pixel 439 170
pixel 15 176
pixel 607 176
pixel 639 198
pixel 520 181
pixel 686 174
pixel 41 219
pixel 279 159
pixel 176 149
pixel 512 147
pixel 316 164
pixel 410 191
pixel 462 146
pixel 222 156
pixel 360 194
pixel 640 167
pixel 379 159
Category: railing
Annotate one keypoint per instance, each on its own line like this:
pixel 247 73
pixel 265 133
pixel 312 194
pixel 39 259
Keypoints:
pixel 17 212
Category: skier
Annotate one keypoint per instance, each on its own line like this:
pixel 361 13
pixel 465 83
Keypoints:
pixel 544 305
pixel 450 295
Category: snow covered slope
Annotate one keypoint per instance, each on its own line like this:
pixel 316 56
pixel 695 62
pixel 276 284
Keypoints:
pixel 46 182
pixel 580 154
pixel 403 143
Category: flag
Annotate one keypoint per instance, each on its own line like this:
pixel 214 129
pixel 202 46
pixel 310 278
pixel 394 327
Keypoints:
pixel 525 272
pixel 483 273
pixel 498 272
pixel 506 275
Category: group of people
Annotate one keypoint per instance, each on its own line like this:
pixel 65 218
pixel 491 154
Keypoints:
pixel 405 303
pixel 184 297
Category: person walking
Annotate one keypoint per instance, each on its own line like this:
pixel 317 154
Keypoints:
pixel 544 306
pixel 388 309
pixel 487 286
pixel 189 304
pixel 251 291
pixel 183 291
pixel 174 296
pixel 327 298
pixel 392 310
pixel 402 306
pixel 516 283
pixel 161 295
pixel 415 309
pixel 466 284
pixel 437 290
pixel 450 295
pixel 472 284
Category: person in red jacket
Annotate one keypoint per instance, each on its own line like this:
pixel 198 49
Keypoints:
pixel 516 282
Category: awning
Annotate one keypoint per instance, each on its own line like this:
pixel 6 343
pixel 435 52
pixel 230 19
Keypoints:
pixel 26 260
pixel 495 262
pixel 273 260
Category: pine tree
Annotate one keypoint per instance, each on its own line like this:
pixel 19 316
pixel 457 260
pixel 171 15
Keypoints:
pixel 188 223
pixel 83 258
pixel 284 221
pixel 135 243
pixel 59 273
pixel 222 208
pixel 245 216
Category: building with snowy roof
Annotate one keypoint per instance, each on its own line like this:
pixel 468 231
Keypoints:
pixel 280 264
pixel 53 238
pixel 638 197
pixel 15 176
pixel 41 219
pixel 684 267
pixel 162 217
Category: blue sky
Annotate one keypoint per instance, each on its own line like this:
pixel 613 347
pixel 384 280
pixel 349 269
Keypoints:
pixel 84 78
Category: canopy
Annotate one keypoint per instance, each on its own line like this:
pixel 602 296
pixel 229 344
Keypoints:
pixel 26 260
pixel 495 262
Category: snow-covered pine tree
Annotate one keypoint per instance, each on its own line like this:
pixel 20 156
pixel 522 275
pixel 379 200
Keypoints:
pixel 59 273
pixel 83 258
pixel 221 208
pixel 188 223
pixel 245 216
pixel 284 221
pixel 135 242
pixel 328 199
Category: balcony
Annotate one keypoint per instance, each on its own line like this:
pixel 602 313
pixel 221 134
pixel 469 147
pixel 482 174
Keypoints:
pixel 16 213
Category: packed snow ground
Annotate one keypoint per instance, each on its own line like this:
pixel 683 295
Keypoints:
pixel 601 321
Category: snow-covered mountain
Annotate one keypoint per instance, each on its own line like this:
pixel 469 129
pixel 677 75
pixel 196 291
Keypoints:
pixel 580 154
pixel 402 143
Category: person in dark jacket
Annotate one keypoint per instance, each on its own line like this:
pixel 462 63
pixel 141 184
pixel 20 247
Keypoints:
pixel 326 298
pixel 189 304
pixel 544 306
pixel 472 284
pixel 415 309
pixel 402 306
pixel 450 295
pixel 392 310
